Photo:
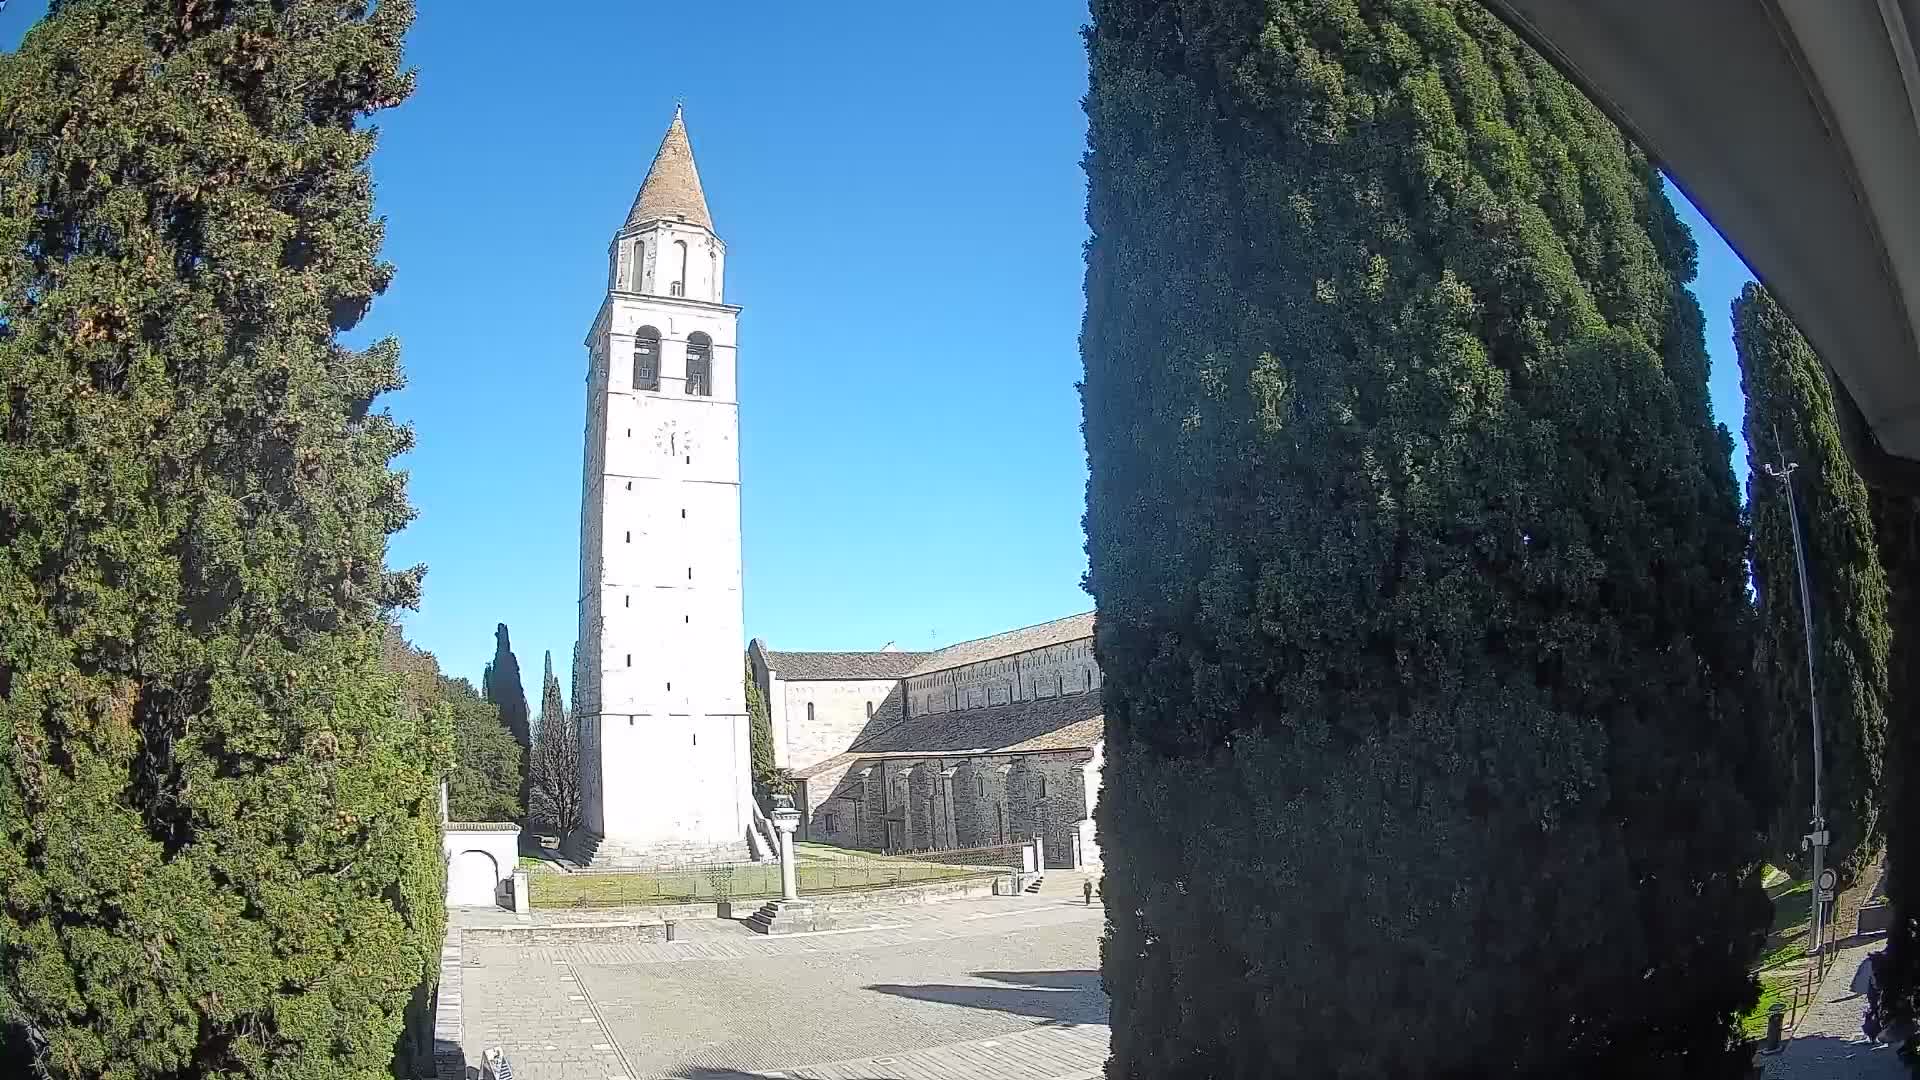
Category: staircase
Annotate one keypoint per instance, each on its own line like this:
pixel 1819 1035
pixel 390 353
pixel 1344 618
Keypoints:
pixel 1033 885
pixel 761 838
pixel 784 917
pixel 581 846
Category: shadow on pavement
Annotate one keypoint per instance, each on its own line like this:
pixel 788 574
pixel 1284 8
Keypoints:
pixel 1058 980
pixel 1828 1057
pixel 695 1073
pixel 1065 997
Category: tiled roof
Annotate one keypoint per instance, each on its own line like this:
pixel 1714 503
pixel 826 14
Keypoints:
pixel 804 666
pixel 672 188
pixel 1071 628
pixel 1071 722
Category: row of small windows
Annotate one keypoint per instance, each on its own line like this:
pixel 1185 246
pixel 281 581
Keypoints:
pixel 678 285
pixel 970 698
pixel 810 711
pixel 646 362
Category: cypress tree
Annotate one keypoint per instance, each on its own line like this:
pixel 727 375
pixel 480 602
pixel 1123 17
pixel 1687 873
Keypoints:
pixel 767 779
pixel 554 769
pixel 550 702
pixel 501 686
pixel 219 851
pixel 1416 558
pixel 1790 414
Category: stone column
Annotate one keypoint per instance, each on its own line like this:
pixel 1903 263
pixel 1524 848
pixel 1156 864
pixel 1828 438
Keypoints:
pixel 951 834
pixel 1003 820
pixel 785 820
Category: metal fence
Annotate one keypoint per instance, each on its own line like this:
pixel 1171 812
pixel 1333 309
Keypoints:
pixel 836 871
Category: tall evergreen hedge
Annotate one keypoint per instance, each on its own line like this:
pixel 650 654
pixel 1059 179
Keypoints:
pixel 218 826
pixel 1790 414
pixel 1417 560
pixel 1896 520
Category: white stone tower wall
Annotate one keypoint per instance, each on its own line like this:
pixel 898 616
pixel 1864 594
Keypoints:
pixel 664 723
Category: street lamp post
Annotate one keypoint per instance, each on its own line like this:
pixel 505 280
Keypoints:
pixel 1816 840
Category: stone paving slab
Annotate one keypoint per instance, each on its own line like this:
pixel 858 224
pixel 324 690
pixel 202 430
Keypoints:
pixel 1008 995
pixel 1077 1052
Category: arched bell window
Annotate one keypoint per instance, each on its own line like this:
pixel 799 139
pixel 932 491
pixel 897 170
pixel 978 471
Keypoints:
pixel 699 365
pixel 646 359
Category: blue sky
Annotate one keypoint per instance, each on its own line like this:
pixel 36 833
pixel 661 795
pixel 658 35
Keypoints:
pixel 910 267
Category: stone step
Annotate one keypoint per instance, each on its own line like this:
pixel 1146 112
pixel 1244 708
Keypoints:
pixel 785 917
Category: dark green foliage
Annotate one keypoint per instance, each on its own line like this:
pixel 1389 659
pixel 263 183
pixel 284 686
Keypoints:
pixel 1896 521
pixel 1788 397
pixel 488 764
pixel 219 852
pixel 500 684
pixel 551 705
pixel 768 779
pixel 483 780
pixel 419 676
pixel 1418 563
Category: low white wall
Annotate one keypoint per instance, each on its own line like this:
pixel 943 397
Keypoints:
pixel 481 856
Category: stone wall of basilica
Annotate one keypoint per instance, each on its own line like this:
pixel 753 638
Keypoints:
pixel 966 801
pixel 1066 668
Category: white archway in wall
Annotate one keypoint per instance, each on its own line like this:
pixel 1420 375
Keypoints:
pixel 473 880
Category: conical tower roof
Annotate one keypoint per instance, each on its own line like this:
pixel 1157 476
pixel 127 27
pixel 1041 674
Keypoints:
pixel 672 188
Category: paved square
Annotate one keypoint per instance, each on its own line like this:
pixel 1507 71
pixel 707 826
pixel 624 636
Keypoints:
pixel 1003 989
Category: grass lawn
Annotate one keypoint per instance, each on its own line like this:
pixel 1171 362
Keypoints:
pixel 817 873
pixel 1775 986
pixel 1786 943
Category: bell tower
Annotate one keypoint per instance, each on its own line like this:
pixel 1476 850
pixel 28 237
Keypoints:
pixel 663 718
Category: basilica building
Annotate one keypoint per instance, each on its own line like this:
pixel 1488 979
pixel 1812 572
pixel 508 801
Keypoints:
pixel 987 742
pixel 991 741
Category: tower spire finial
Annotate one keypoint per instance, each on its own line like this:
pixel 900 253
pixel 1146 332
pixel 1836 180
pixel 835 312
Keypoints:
pixel 672 188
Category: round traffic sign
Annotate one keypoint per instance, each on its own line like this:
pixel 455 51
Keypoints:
pixel 1828 879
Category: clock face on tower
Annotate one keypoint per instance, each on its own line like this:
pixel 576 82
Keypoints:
pixel 670 440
